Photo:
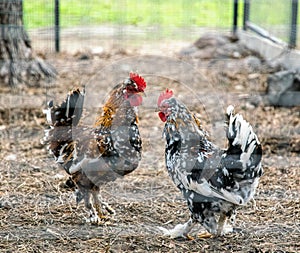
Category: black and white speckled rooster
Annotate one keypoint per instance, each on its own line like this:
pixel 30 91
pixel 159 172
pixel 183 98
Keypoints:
pixel 213 181
pixel 100 153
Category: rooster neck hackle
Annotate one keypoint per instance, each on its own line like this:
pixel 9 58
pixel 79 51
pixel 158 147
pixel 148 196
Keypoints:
pixel 111 108
pixel 180 115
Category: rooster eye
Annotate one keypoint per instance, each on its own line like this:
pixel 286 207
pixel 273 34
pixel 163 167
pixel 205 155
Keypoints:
pixel 164 107
pixel 132 88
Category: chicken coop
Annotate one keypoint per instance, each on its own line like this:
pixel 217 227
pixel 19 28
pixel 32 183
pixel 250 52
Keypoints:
pixel 166 126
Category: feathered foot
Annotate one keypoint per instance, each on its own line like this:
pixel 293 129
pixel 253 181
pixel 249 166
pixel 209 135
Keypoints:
pixel 180 230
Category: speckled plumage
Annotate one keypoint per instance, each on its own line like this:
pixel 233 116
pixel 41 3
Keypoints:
pixel 213 181
pixel 94 155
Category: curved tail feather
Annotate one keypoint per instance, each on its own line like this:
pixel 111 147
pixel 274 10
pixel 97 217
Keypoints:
pixel 244 146
pixel 61 119
pixel 69 112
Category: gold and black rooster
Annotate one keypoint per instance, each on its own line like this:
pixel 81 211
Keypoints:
pixel 94 155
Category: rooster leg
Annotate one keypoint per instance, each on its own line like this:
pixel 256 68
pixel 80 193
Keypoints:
pixel 180 230
pixel 254 206
pixel 223 228
pixel 94 218
pixel 221 223
pixel 232 217
pixel 99 202
pixel 98 206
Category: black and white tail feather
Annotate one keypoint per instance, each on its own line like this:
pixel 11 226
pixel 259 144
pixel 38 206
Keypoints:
pixel 62 119
pixel 69 112
pixel 244 154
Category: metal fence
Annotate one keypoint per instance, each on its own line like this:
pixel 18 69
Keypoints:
pixel 90 29
pixel 274 20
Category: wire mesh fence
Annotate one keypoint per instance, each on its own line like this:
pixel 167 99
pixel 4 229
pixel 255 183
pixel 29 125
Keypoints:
pixel 123 22
pixel 126 22
pixel 275 20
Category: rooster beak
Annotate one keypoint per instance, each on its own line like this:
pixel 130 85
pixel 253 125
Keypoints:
pixel 143 94
pixel 157 109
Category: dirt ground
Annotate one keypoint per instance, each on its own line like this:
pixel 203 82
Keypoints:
pixel 38 213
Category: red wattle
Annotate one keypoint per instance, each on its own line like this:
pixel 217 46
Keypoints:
pixel 135 100
pixel 162 116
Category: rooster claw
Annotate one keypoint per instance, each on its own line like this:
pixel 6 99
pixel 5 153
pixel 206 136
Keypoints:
pixel 97 220
pixel 165 231
pixel 205 235
pixel 109 209
pixel 189 237
pixel 237 230
pixel 173 234
pixel 168 233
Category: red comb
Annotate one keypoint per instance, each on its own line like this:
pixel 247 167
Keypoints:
pixel 164 95
pixel 138 80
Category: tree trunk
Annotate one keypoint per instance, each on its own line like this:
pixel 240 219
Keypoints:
pixel 18 64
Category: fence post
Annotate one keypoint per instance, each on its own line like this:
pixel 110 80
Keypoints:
pixel 56 25
pixel 293 31
pixel 246 13
pixel 235 15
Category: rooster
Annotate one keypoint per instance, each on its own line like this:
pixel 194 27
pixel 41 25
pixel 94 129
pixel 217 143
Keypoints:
pixel 214 182
pixel 101 153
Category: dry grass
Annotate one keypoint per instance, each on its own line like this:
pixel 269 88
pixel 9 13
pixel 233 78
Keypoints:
pixel 39 214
